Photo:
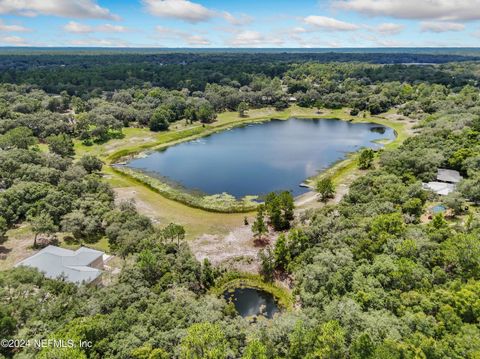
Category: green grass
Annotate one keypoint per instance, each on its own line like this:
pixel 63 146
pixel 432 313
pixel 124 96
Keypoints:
pixel 223 202
pixel 232 280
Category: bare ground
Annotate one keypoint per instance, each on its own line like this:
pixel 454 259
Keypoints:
pixel 17 247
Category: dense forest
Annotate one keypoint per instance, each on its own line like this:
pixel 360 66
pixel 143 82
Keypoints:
pixel 369 278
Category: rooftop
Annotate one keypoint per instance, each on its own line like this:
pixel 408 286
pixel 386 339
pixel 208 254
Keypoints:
pixel 450 176
pixel 55 262
pixel 440 188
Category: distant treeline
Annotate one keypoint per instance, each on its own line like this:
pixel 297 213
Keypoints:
pixel 79 73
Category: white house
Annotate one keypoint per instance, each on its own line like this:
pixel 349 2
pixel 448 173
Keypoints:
pixel 81 266
pixel 446 182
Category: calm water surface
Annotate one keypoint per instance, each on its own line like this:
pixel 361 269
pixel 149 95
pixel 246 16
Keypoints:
pixel 251 301
pixel 263 157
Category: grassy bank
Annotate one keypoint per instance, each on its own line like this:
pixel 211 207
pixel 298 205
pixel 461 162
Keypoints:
pixel 233 280
pixel 223 203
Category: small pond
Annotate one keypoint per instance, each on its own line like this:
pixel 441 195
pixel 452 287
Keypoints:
pixel 252 301
pixel 263 157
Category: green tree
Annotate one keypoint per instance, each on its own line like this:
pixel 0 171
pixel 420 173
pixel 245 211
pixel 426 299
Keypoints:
pixel 280 209
pixel 206 113
pixel 267 262
pixel 325 188
pixel 91 163
pixel 281 252
pixel 19 137
pixel 255 349
pixel 61 144
pixel 242 108
pixel 147 352
pixel 330 344
pixel 42 224
pixel 3 229
pixel 362 347
pixel 365 159
pixel 174 232
pixel 259 228
pixel 160 120
pixel 204 341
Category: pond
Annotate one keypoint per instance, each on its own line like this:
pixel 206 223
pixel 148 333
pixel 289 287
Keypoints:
pixel 251 301
pixel 260 158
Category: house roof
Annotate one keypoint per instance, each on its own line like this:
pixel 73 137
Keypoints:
pixel 440 188
pixel 450 176
pixel 55 262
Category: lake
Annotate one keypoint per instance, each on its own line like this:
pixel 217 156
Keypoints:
pixel 251 301
pixel 260 158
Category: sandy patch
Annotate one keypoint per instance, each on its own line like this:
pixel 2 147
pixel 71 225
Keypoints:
pixel 237 250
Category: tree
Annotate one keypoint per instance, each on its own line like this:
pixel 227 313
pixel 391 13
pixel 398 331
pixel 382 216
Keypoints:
pixel 365 160
pixel 456 202
pixel 61 144
pixel 255 350
pixel 160 120
pixel 242 108
pixel 281 252
pixel 42 224
pixel 259 227
pixel 280 209
pixel 470 188
pixel 325 188
pixel 206 113
pixel 3 229
pixel 267 262
pixel 204 341
pixel 19 137
pixel 330 344
pixel 174 232
pixel 91 163
pixel 208 274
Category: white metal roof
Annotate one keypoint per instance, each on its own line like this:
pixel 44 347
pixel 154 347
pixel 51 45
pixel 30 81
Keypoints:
pixel 55 262
pixel 450 176
pixel 440 188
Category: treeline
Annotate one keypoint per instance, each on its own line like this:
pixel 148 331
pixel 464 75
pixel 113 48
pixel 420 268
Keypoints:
pixel 80 74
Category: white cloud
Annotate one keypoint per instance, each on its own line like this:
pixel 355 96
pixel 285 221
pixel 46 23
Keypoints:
pixel 415 9
pixel 389 28
pixel 328 23
pixel 186 37
pixel 242 19
pixel 79 28
pixel 70 8
pixel 179 9
pixel 99 42
pixel 12 28
pixel 111 28
pixel 250 38
pixel 439 26
pixel 13 41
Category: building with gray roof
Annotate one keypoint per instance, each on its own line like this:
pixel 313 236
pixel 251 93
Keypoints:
pixel 448 176
pixel 81 266
pixel 446 182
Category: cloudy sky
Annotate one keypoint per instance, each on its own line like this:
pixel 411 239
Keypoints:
pixel 242 23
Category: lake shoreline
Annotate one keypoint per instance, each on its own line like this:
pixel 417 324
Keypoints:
pixel 223 203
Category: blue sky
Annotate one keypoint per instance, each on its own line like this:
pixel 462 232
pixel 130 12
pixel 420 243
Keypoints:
pixel 242 23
